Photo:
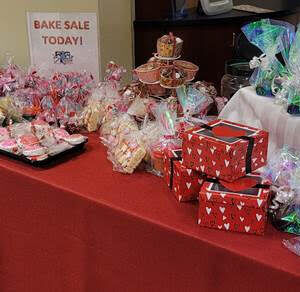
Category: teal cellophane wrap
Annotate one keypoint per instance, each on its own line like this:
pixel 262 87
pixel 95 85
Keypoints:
pixel 289 216
pixel 293 63
pixel 290 92
pixel 283 170
pixel 193 101
pixel 292 215
pixel 271 37
pixel 287 37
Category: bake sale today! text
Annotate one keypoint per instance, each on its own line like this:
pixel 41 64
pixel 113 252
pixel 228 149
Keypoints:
pixel 67 25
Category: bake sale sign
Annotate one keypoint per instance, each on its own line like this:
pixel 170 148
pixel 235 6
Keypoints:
pixel 64 42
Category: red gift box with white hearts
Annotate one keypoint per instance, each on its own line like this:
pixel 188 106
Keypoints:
pixel 239 206
pixel 224 149
pixel 184 183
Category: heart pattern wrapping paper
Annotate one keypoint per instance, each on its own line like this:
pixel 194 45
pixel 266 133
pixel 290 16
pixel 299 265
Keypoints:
pixel 225 157
pixel 241 211
pixel 185 183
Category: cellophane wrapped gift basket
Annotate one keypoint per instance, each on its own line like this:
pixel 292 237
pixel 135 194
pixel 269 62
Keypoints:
pixel 272 38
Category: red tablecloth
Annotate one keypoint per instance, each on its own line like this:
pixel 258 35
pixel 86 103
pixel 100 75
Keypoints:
pixel 82 227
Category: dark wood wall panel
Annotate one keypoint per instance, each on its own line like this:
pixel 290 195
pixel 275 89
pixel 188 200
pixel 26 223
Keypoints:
pixel 152 9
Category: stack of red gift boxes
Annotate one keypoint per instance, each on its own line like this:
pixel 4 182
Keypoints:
pixel 216 165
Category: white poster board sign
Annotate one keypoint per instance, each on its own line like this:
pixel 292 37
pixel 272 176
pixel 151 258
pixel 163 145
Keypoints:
pixel 64 42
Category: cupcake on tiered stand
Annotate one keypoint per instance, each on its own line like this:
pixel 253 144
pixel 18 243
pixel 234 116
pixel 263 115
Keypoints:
pixel 169 47
pixel 165 72
pixel 189 68
pixel 172 77
pixel 149 73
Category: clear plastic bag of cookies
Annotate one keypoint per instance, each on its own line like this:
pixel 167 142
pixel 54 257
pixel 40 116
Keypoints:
pixel 128 153
pixel 116 126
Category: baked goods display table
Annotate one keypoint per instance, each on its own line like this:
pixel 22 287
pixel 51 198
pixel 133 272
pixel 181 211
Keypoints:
pixel 82 227
pixel 259 111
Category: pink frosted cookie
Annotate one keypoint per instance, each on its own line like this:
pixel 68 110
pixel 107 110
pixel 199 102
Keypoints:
pixel 38 157
pixel 58 148
pixel 33 150
pixel 3 131
pixel 75 139
pixel 27 140
pixel 4 135
pixel 9 145
pixel 60 134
